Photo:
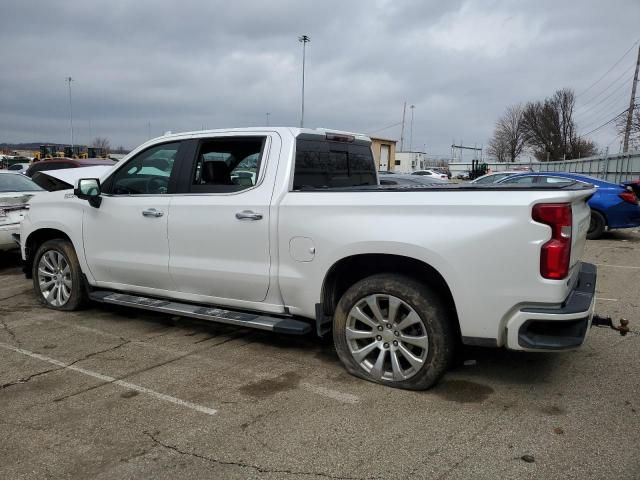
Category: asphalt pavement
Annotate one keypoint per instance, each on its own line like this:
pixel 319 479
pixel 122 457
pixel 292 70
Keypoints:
pixel 110 393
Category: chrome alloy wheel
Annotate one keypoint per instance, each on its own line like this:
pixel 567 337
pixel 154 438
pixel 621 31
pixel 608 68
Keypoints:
pixel 386 337
pixel 54 278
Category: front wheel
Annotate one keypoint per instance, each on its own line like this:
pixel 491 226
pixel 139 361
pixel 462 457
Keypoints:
pixel 57 277
pixel 393 330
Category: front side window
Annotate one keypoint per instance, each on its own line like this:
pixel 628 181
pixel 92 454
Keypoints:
pixel 147 173
pixel 525 180
pixel 230 164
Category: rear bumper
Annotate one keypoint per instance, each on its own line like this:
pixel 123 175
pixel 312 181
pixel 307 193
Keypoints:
pixel 558 327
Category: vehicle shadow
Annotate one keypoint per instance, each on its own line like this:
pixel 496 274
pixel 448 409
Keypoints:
pixel 627 235
pixel 10 262
pixel 479 365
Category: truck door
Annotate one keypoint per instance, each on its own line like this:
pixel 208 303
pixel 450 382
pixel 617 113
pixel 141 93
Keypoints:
pixel 219 224
pixel 125 240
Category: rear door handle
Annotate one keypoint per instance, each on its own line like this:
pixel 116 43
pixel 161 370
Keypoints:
pixel 248 215
pixel 152 212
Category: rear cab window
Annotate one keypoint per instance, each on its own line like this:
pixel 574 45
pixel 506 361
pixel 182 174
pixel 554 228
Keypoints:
pixel 321 163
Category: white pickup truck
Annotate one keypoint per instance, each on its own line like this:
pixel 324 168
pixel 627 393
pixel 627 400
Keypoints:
pixel 288 230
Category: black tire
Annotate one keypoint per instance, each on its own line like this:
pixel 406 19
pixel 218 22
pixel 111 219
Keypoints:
pixel 435 321
pixel 77 295
pixel 597 225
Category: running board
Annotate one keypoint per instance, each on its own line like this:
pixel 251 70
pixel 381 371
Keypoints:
pixel 240 319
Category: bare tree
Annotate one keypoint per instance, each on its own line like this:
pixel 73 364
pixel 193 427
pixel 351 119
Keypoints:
pixel 621 124
pixel 101 142
pixel 551 131
pixel 509 137
pixel 498 147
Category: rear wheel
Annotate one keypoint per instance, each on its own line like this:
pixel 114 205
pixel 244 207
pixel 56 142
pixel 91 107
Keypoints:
pixel 393 330
pixel 597 225
pixel 57 277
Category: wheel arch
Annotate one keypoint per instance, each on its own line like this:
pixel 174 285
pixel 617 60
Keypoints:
pixel 37 238
pixel 349 270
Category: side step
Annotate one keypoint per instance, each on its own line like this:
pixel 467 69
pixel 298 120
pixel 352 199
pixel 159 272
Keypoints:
pixel 241 319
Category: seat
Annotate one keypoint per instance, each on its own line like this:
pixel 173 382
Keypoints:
pixel 216 173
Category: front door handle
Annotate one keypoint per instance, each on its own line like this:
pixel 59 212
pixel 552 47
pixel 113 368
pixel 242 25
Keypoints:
pixel 152 212
pixel 248 215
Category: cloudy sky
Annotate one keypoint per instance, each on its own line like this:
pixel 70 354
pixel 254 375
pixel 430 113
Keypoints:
pixel 143 67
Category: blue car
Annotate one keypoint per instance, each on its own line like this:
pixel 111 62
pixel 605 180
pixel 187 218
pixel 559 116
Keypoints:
pixel 612 206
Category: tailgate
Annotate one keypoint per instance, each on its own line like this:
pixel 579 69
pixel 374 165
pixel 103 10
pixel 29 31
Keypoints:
pixel 581 219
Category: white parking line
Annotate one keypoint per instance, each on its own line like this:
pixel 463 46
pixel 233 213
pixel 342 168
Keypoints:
pixel 112 380
pixel 616 266
pixel 334 394
pixel 317 389
pixel 607 299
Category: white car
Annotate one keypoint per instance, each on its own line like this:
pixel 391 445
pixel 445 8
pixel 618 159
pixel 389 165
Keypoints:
pixel 18 167
pixel 431 173
pixel 398 275
pixel 15 192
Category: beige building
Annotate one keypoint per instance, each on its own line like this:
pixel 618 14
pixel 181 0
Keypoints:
pixel 384 153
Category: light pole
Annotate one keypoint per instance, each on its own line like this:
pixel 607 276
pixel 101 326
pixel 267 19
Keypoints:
pixel 304 39
pixel 411 134
pixel 268 118
pixel 69 80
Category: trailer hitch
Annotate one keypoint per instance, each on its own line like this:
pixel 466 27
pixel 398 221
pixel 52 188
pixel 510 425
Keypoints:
pixel 599 321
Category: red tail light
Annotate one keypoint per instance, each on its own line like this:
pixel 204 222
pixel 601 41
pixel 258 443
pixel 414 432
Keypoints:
pixel 629 197
pixel 555 255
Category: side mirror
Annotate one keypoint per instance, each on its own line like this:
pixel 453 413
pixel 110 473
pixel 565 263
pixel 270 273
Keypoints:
pixel 89 189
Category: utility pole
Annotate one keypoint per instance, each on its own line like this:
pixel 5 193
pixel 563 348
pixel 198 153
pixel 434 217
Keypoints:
pixel 627 130
pixel 69 80
pixel 268 118
pixel 412 107
pixel 304 39
pixel 404 111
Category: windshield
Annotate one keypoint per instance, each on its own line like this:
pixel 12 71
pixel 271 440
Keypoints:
pixel 11 182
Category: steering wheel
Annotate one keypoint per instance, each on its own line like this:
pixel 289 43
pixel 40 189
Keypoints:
pixel 158 185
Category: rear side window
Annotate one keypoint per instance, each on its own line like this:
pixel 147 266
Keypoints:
pixel 327 164
pixel 227 164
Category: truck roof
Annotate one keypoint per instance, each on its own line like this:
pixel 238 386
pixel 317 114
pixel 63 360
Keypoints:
pixel 295 131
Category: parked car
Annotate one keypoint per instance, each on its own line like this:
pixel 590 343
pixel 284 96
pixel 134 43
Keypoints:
pixel 431 173
pixel 15 192
pixel 410 180
pixel 18 167
pixel 493 177
pixel 399 276
pixel 612 206
pixel 59 163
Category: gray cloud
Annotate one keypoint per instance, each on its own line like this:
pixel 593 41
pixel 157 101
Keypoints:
pixel 185 65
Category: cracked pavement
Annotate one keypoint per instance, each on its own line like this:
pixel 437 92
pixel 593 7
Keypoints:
pixel 137 395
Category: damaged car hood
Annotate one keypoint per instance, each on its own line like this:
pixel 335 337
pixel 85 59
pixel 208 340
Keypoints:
pixel 53 180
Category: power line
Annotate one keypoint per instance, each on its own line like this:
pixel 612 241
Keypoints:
pixel 384 128
pixel 603 125
pixel 609 86
pixel 597 111
pixel 623 84
pixel 595 122
pixel 607 72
